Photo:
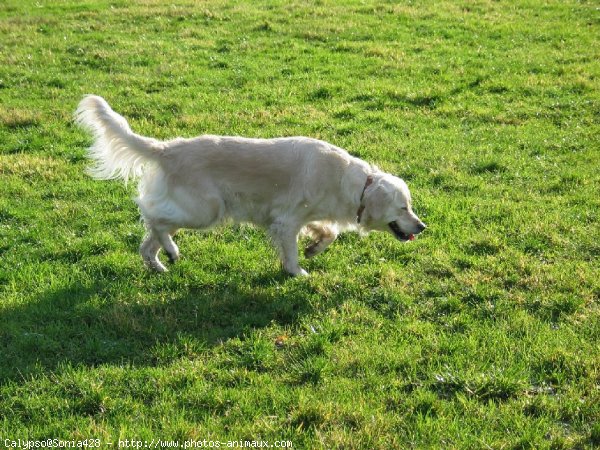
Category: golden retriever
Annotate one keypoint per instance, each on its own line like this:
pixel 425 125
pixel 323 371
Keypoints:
pixel 286 185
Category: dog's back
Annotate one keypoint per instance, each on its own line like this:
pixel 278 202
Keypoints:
pixel 247 166
pixel 244 165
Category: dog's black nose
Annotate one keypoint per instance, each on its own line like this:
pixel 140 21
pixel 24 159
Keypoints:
pixel 421 226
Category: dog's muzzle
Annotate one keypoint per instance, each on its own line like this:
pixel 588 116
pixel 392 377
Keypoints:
pixel 402 236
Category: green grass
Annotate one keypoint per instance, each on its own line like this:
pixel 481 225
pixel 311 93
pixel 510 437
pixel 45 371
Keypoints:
pixel 483 333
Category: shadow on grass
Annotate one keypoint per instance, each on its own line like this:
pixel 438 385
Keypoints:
pixel 90 325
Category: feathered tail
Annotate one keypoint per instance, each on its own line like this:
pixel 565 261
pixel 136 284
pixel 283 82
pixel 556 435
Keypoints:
pixel 117 152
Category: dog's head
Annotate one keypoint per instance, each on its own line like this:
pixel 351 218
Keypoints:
pixel 388 207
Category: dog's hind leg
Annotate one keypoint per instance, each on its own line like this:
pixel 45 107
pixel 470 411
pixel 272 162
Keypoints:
pixel 149 251
pixel 323 235
pixel 155 239
pixel 166 240
pixel 285 238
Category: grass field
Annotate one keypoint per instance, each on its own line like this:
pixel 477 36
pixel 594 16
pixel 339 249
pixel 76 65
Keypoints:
pixel 482 333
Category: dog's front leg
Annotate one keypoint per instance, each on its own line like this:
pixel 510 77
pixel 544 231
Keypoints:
pixel 323 236
pixel 285 238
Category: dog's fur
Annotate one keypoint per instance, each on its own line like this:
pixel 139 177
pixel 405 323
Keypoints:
pixel 286 185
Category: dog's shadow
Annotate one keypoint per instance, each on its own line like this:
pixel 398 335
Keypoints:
pixel 92 325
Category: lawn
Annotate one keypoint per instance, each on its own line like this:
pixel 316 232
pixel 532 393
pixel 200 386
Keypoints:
pixel 482 333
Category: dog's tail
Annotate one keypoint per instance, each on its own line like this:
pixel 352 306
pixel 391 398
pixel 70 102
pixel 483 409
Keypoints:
pixel 117 152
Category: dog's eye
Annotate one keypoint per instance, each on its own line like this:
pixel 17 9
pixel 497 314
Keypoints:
pixel 404 208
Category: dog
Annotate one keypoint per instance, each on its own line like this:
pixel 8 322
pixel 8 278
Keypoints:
pixel 286 185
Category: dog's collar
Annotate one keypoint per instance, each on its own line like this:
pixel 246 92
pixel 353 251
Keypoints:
pixel 361 208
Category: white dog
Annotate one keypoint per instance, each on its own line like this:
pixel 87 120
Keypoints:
pixel 286 185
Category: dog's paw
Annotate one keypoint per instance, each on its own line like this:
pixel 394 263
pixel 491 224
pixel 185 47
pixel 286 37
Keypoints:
pixel 311 250
pixel 156 266
pixel 300 272
pixel 173 257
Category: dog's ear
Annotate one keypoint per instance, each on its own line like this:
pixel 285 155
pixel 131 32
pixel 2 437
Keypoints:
pixel 376 201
